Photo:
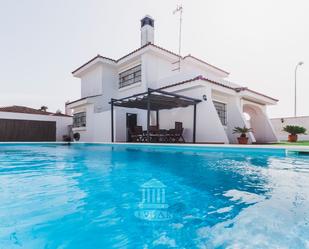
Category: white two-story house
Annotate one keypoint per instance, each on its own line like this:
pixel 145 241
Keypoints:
pixel 223 103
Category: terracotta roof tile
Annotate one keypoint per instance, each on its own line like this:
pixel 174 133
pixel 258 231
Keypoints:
pixel 91 60
pixel 249 90
pixel 92 96
pixel 200 77
pixel 28 110
pixel 202 61
pixel 146 45
pixel 133 52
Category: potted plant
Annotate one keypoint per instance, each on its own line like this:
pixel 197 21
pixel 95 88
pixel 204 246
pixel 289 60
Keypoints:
pixel 66 138
pixel 243 139
pixel 293 131
pixel 76 136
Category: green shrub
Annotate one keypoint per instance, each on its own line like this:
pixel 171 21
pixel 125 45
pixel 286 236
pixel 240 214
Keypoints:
pixel 294 129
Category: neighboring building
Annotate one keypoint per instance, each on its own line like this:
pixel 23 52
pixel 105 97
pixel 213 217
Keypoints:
pixel 150 66
pixel 20 123
pixel 279 123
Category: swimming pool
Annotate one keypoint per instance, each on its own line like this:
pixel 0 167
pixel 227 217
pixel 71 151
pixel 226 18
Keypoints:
pixel 128 196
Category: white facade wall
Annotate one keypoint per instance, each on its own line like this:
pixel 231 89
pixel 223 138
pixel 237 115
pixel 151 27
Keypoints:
pixel 62 123
pixel 91 82
pixel 160 71
pixel 98 125
pixel 120 126
pixel 157 71
pixel 102 127
pixel 263 130
pixel 234 114
pixel 109 87
pixel 279 123
pixel 132 89
pixel 190 69
pixel 86 133
pixel 208 124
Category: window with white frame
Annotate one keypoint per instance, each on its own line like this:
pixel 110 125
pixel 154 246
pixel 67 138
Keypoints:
pixel 79 119
pixel 221 110
pixel 130 76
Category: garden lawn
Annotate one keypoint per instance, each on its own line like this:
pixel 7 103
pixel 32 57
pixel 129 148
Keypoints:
pixel 301 143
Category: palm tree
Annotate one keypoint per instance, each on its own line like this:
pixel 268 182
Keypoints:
pixel 243 131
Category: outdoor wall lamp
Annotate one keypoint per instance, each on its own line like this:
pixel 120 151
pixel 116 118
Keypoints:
pixel 205 97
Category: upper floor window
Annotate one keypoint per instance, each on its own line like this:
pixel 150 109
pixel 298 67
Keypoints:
pixel 221 110
pixel 130 76
pixel 79 119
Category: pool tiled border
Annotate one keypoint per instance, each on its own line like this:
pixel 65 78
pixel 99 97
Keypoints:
pixel 285 147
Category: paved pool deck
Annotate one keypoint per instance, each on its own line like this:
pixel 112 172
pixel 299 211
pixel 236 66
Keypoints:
pixel 292 148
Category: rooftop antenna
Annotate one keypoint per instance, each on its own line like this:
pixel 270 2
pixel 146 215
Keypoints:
pixel 179 10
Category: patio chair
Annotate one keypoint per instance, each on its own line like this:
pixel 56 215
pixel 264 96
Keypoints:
pixel 137 134
pixel 179 132
pixel 154 133
pixel 153 129
pixel 176 134
pixel 133 136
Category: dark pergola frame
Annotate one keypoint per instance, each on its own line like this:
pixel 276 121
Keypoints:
pixel 154 100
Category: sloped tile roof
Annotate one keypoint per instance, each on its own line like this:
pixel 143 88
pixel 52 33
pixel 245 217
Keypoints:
pixel 219 83
pixel 28 110
pixel 88 97
pixel 147 45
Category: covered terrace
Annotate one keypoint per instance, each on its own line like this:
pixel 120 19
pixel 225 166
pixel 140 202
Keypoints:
pixel 155 100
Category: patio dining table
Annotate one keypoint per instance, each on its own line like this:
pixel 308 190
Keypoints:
pixel 161 135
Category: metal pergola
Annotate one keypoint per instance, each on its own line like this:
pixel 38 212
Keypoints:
pixel 154 100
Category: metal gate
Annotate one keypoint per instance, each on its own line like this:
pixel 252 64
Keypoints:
pixel 16 130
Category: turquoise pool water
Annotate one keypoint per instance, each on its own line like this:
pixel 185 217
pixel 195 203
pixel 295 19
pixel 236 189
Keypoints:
pixel 89 196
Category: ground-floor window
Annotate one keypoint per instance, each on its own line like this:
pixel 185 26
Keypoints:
pixel 221 110
pixel 79 119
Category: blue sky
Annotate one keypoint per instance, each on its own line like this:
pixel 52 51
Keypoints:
pixel 258 42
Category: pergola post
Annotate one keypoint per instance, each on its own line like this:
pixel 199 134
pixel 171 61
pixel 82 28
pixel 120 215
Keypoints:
pixel 112 120
pixel 194 124
pixel 148 116
pixel 157 118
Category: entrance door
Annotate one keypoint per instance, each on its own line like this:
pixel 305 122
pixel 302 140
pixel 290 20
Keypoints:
pixel 131 123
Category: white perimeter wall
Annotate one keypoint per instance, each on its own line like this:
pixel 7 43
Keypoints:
pixel 62 123
pixel 300 121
